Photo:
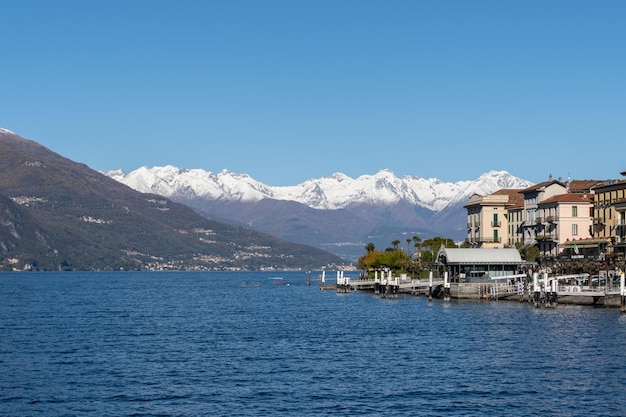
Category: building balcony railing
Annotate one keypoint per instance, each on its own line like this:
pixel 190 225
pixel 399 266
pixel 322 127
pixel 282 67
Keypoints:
pixel 487 239
pixel 531 224
pixel 620 223
pixel 551 219
pixel 547 238
pixel 496 224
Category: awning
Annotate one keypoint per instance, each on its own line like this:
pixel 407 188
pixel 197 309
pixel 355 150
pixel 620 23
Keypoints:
pixel 583 244
pixel 509 276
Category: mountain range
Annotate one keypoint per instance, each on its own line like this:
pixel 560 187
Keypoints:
pixel 335 213
pixel 57 214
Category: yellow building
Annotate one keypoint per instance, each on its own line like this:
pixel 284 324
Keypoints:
pixel 488 224
pixel 609 218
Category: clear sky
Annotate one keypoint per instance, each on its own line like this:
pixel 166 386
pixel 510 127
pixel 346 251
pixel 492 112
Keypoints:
pixel 291 90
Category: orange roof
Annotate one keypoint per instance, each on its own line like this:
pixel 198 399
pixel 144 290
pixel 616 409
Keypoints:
pixel 541 185
pixel 579 186
pixel 516 199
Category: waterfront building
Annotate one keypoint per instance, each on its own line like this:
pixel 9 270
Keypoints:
pixel 609 218
pixel 532 197
pixel 563 218
pixel 479 264
pixel 490 223
pixel 557 217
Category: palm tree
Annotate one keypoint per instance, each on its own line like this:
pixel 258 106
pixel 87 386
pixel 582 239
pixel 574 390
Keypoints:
pixel 417 243
pixel 408 248
pixel 395 244
pixel 370 247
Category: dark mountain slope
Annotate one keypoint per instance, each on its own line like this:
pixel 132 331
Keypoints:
pixel 58 214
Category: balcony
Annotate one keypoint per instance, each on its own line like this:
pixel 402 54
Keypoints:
pixel 551 219
pixel 547 238
pixel 496 224
pixel 488 239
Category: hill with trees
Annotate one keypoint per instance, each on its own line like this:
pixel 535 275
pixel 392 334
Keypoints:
pixel 56 214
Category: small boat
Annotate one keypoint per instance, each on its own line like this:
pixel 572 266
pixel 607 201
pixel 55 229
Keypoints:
pixel 254 285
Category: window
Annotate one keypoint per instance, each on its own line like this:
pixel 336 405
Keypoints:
pixel 574 230
pixel 574 211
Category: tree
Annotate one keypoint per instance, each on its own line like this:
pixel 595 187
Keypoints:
pixel 396 260
pixel 395 244
pixel 408 248
pixel 417 243
pixel 432 246
pixel 370 247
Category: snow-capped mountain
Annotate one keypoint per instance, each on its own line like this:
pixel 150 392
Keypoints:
pixel 334 192
pixel 336 213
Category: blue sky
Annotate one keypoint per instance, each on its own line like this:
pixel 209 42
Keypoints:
pixel 290 90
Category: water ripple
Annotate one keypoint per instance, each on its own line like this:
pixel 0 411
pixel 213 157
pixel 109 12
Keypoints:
pixel 194 344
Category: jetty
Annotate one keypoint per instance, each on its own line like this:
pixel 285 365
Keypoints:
pixel 383 284
pixel 540 289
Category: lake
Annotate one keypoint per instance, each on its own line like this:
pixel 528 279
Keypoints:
pixel 198 344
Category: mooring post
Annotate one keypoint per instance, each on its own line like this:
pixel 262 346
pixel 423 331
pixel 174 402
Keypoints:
pixel 446 287
pixel 622 291
pixel 555 292
pixel 396 287
pixel 430 285
pixel 376 283
pixel 536 288
pixel 546 290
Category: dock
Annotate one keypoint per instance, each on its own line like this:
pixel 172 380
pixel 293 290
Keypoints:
pixel 542 291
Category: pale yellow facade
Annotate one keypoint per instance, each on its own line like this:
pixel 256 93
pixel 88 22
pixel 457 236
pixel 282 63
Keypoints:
pixel 488 220
pixel 609 218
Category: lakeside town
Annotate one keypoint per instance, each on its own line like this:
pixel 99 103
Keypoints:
pixel 563 219
pixel 571 233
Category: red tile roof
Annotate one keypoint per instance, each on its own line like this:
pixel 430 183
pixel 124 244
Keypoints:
pixel 569 198
pixel 516 198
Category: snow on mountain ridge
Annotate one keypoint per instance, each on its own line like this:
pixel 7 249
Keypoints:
pixel 330 193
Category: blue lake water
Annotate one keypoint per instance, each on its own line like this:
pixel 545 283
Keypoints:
pixel 198 344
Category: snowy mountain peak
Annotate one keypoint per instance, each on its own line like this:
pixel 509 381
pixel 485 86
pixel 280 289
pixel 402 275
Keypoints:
pixel 331 193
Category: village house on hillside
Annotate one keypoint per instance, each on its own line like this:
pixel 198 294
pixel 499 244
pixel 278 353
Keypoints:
pixel 574 219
